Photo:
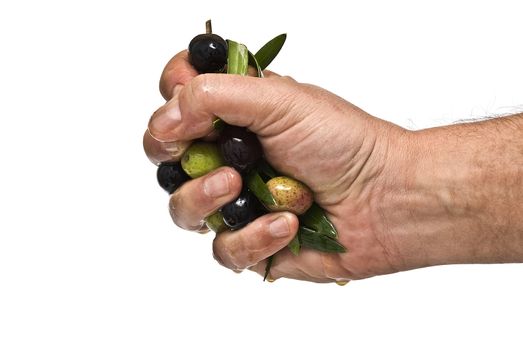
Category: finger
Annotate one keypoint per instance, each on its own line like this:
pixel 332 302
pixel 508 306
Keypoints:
pixel 201 197
pixel 260 239
pixel 178 71
pixel 259 104
pixel 159 152
pixel 306 266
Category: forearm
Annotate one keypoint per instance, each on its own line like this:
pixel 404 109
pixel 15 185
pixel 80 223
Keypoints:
pixel 463 199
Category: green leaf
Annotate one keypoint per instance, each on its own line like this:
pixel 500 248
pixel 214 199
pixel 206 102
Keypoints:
pixel 254 63
pixel 258 187
pixel 316 220
pixel 269 51
pixel 314 240
pixel 295 245
pixel 237 58
pixel 237 63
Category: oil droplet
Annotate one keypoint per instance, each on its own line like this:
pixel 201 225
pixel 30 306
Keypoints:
pixel 342 282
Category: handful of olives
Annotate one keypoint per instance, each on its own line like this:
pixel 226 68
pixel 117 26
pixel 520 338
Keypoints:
pixel 264 189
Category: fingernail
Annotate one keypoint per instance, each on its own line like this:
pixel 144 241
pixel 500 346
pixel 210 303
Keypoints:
pixel 216 185
pixel 163 122
pixel 279 228
pixel 166 119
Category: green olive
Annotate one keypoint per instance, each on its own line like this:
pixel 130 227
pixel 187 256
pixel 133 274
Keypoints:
pixel 215 222
pixel 290 195
pixel 201 158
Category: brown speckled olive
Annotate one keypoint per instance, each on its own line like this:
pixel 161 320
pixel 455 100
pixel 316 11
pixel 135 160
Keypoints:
pixel 290 195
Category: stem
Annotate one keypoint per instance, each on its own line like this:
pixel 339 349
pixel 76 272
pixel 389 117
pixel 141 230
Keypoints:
pixel 208 27
pixel 268 267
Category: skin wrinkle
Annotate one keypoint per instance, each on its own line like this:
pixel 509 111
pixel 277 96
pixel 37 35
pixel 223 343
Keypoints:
pixel 383 234
pixel 180 220
pixel 412 211
pixel 198 90
pixel 332 263
pixel 378 199
pixel 347 177
pixel 307 128
pixel 280 112
pixel 230 250
pixel 390 254
pixel 337 160
pixel 293 151
pixel 257 126
pixel 200 123
pixel 256 247
pixel 299 267
pixel 361 168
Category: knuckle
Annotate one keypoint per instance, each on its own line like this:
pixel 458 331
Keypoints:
pixel 175 210
pixel 217 257
pixel 223 255
pixel 238 261
pixel 288 78
pixel 238 256
pixel 257 239
pixel 173 203
pixel 201 87
pixel 182 214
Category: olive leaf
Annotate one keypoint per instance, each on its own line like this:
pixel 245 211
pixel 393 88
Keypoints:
pixel 237 63
pixel 316 220
pixel 254 63
pixel 318 241
pixel 295 245
pixel 237 58
pixel 269 51
pixel 258 187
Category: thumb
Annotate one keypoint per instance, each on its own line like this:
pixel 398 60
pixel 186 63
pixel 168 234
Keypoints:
pixel 261 105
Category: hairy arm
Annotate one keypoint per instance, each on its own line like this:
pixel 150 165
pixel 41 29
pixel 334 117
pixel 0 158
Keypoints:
pixel 463 200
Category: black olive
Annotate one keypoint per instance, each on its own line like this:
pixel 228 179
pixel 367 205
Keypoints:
pixel 208 53
pixel 240 148
pixel 171 176
pixel 241 211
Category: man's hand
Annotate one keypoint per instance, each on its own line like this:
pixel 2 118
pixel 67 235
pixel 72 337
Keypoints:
pixel 379 183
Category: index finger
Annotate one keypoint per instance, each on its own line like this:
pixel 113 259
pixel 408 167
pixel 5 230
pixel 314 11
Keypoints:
pixel 178 71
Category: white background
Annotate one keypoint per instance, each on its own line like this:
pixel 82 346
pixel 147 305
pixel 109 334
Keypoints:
pixel 89 258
